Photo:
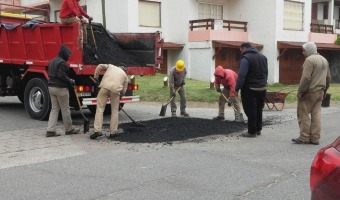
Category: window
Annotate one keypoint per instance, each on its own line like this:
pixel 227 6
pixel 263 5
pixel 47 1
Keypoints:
pixel 149 13
pixel 293 15
pixel 210 11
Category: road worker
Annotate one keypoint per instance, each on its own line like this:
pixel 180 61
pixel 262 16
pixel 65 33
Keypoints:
pixel 227 78
pixel 72 12
pixel 113 85
pixel 252 81
pixel 177 82
pixel 58 84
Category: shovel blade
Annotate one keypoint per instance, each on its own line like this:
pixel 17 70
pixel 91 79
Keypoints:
pixel 86 125
pixel 163 111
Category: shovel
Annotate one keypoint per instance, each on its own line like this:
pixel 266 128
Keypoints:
pixel 94 40
pixel 86 121
pixel 136 123
pixel 164 107
pixel 241 114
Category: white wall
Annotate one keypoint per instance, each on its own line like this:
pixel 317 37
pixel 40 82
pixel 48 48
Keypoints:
pixel 201 63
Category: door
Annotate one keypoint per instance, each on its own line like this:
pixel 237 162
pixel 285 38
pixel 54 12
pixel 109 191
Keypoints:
pixel 228 58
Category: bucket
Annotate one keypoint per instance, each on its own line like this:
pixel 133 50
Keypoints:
pixel 326 100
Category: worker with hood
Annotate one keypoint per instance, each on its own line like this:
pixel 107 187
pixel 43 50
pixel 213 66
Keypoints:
pixel 58 84
pixel 112 86
pixel 314 84
pixel 177 82
pixel 227 78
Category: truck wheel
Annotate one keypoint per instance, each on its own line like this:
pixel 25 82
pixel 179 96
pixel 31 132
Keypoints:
pixel 107 108
pixel 21 98
pixel 37 99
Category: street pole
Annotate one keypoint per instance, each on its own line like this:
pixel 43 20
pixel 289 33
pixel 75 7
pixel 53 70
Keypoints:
pixel 103 13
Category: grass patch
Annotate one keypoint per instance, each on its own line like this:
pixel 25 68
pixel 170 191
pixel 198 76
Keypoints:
pixel 151 89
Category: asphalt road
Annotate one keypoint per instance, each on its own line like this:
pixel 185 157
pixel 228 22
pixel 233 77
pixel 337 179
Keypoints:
pixel 220 167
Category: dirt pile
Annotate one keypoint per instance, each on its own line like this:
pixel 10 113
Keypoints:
pixel 108 49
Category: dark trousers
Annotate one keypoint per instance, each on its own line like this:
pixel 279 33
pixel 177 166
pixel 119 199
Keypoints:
pixel 253 103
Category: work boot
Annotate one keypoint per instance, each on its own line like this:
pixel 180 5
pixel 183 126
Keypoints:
pixel 239 120
pixel 248 135
pixel 52 134
pixel 95 135
pixel 184 114
pixel 218 118
pixel 73 131
pixel 299 141
pixel 315 143
pixel 258 132
pixel 173 114
pixel 111 136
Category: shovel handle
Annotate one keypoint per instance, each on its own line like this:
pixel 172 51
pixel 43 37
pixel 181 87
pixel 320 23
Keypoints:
pixel 228 100
pixel 173 96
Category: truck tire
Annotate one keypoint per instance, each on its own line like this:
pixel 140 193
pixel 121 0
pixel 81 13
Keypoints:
pixel 107 111
pixel 37 99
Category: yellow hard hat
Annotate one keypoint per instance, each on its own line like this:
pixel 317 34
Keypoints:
pixel 180 65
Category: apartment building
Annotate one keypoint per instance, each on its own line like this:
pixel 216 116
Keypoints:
pixel 207 33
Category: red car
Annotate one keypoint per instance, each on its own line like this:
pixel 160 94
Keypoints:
pixel 325 173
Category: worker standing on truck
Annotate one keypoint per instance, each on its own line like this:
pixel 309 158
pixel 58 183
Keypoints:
pixel 177 82
pixel 227 78
pixel 113 85
pixel 72 12
pixel 58 84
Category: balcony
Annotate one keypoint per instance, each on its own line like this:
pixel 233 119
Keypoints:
pixel 322 33
pixel 213 29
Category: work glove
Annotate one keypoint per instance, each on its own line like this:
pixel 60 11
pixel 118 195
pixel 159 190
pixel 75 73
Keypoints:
pixel 173 94
pixel 73 83
pixel 218 90
pixel 324 94
pixel 183 83
pixel 231 101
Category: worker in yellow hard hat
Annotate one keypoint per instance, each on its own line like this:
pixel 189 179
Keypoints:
pixel 177 82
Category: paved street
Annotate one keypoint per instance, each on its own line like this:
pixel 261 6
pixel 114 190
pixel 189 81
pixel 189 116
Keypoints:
pixel 222 167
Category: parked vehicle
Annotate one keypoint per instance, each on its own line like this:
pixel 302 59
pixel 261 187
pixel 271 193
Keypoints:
pixel 325 173
pixel 27 48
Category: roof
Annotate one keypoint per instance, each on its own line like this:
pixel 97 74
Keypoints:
pixel 233 44
pixel 298 45
pixel 171 45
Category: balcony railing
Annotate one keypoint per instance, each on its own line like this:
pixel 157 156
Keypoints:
pixel 321 28
pixel 210 24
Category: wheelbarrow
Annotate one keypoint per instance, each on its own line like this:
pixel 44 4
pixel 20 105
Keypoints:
pixel 276 99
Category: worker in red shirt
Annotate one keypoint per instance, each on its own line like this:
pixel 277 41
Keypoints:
pixel 72 12
pixel 227 78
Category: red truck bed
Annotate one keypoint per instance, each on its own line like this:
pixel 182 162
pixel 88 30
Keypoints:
pixel 26 50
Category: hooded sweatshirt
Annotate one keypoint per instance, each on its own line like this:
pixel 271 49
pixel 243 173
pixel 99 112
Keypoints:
pixel 58 69
pixel 71 8
pixel 315 71
pixel 227 78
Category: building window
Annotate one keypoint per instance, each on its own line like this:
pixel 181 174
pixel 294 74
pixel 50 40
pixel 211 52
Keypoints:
pixel 210 11
pixel 149 13
pixel 293 15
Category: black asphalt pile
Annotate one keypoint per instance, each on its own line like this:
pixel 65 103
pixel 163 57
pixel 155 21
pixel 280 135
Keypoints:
pixel 169 130
pixel 108 50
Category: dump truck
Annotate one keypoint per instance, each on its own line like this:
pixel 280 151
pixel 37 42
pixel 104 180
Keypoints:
pixel 27 48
